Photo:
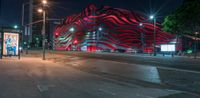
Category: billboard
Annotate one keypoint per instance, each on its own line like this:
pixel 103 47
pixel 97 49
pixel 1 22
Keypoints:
pixel 10 44
pixel 168 48
pixel 0 42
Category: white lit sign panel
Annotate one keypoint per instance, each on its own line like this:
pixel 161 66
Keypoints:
pixel 0 41
pixel 10 44
pixel 84 48
pixel 168 48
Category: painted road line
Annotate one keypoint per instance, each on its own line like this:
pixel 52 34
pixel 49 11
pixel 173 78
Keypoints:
pixel 107 92
pixel 161 67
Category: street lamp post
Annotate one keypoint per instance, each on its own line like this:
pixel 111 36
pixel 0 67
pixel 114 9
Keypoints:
pixel 26 34
pixel 72 29
pixel 195 52
pixel 43 33
pixel 99 31
pixel 142 37
pixel 154 34
pixel 44 2
pixel 23 7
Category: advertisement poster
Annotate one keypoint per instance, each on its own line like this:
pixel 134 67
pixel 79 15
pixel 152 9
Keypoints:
pixel 10 44
pixel 168 48
pixel 0 42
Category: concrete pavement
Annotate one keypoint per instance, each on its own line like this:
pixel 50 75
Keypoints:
pixel 33 78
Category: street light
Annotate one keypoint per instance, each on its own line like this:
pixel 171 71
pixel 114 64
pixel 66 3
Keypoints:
pixel 72 29
pixel 142 36
pixel 152 17
pixel 44 2
pixel 100 28
pixel 40 10
pixel 140 24
pixel 196 42
pixel 15 26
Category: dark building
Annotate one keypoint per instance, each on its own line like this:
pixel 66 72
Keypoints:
pixel 36 41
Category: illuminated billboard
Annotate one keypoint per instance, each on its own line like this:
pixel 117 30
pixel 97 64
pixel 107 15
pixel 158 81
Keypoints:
pixel 10 44
pixel 0 42
pixel 168 48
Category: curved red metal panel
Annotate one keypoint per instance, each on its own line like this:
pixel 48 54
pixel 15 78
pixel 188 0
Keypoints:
pixel 119 30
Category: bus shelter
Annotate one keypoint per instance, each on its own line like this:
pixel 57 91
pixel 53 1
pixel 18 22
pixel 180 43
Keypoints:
pixel 10 42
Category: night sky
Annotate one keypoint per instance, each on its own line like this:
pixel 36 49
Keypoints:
pixel 11 9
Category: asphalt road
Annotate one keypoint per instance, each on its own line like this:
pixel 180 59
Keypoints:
pixel 98 75
pixel 185 63
pixel 180 73
pixel 31 77
pixel 134 73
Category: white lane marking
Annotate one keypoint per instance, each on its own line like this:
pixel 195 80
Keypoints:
pixel 161 67
pixel 42 88
pixel 74 58
pixel 176 69
pixel 74 64
pixel 154 61
pixel 108 92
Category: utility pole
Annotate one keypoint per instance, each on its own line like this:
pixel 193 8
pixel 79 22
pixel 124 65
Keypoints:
pixel 44 29
pixel 43 11
pixel 196 44
pixel 152 17
pixel 44 33
pixel 154 37
pixel 24 27
pixel 29 34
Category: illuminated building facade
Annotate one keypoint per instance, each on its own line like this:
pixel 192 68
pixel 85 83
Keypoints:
pixel 108 29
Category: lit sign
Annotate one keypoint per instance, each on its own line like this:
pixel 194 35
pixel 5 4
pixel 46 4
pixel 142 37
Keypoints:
pixel 84 48
pixel 168 48
pixel 10 44
pixel 0 40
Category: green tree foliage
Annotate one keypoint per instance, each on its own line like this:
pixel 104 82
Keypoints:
pixel 185 19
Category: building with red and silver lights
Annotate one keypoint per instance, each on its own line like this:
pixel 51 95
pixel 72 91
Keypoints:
pixel 108 29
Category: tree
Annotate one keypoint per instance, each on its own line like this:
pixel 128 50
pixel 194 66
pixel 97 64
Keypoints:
pixel 185 19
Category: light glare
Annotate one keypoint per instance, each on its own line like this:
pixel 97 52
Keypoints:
pixel 44 2
pixel 72 29
pixel 40 10
pixel 151 17
pixel 141 24
pixel 100 29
